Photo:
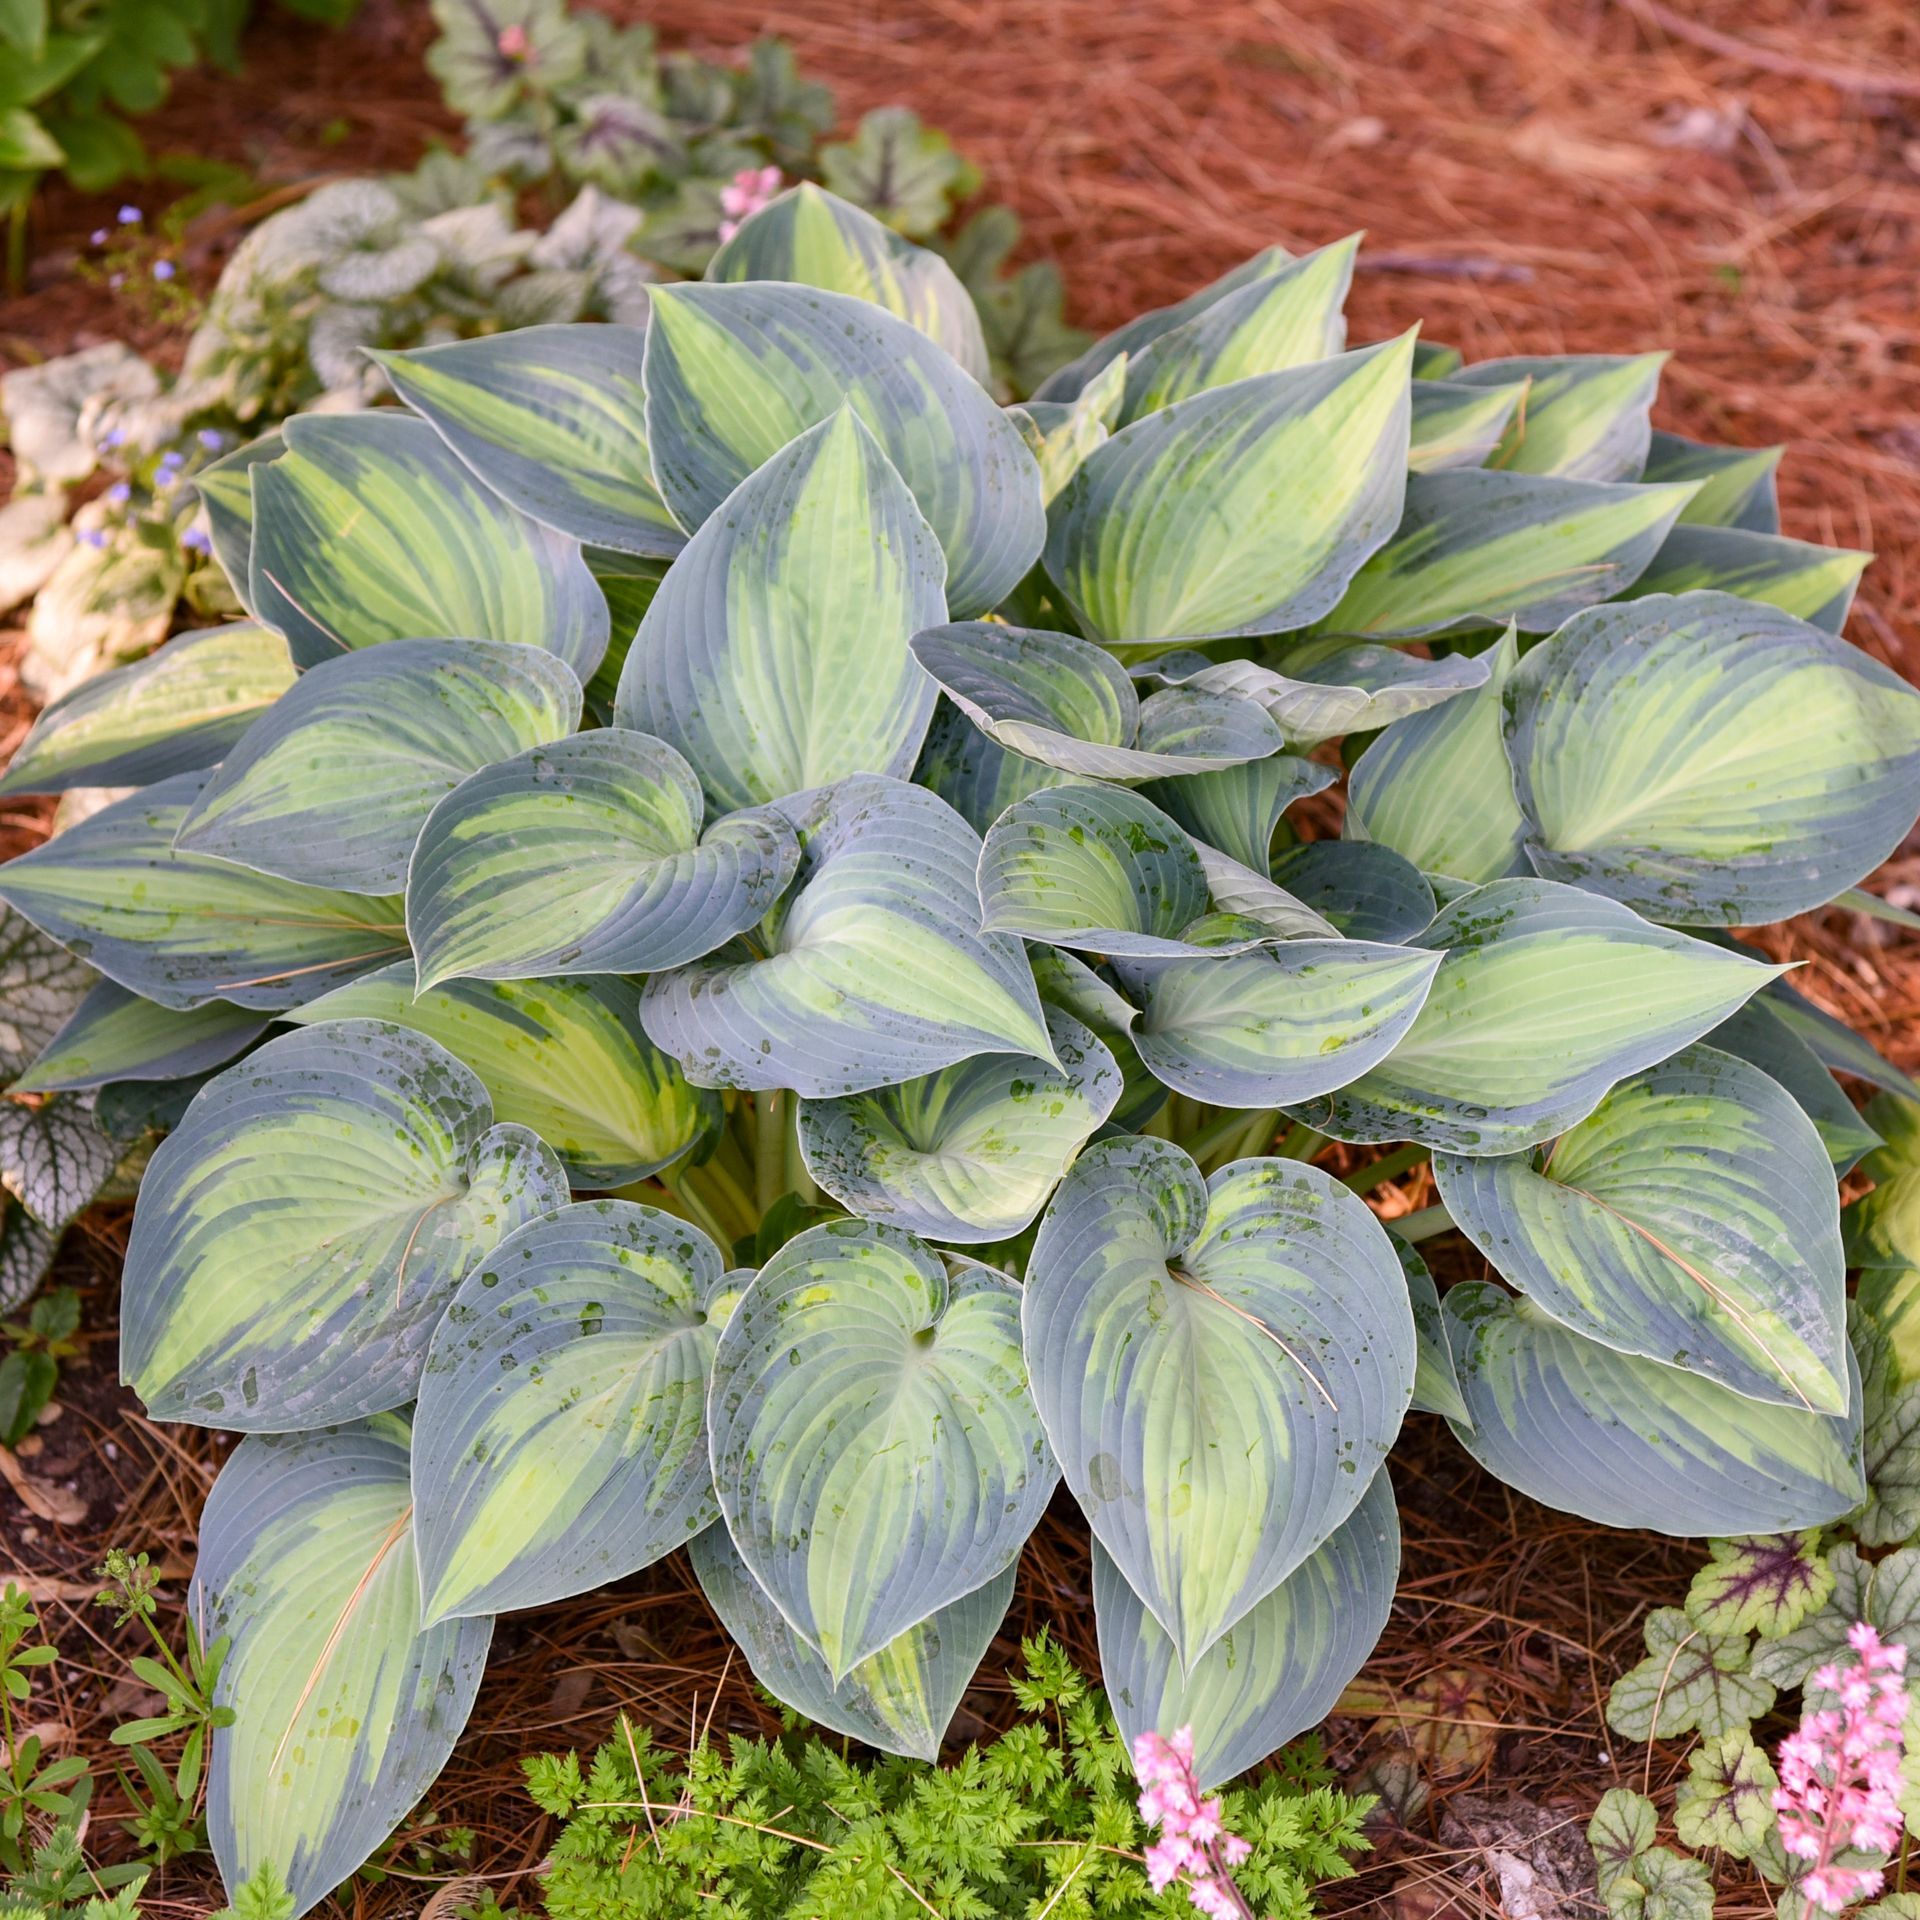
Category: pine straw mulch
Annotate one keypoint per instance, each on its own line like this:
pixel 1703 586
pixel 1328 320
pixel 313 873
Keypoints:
pixel 1738 180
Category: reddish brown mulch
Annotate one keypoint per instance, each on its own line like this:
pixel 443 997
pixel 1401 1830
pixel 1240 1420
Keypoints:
pixel 1739 182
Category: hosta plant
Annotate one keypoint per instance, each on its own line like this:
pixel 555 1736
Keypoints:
pixel 774 1005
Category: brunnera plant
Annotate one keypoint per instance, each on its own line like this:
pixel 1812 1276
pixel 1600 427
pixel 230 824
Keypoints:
pixel 774 1007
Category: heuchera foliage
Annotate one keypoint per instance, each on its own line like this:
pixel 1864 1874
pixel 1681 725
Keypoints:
pixel 747 891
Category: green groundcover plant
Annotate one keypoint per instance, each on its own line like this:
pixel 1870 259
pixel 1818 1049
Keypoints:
pixel 731 915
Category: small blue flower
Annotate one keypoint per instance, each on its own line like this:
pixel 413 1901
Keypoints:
pixel 167 477
pixel 195 540
pixel 119 493
pixel 163 269
pixel 98 237
pixel 173 457
pixel 116 279
pixel 129 216
pixel 113 437
pixel 212 439
pixel 93 536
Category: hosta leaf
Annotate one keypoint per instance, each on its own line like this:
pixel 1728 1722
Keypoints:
pixel 900 1699
pixel 1306 711
pixel 1835 1044
pixel 116 1035
pixel 565 1058
pixel 876 968
pixel 775 654
pixel 553 419
pixel 1885 1325
pixel 1737 486
pixel 560 1439
pixel 1585 415
pixel 1691 1679
pixel 1690 1218
pixel 1629 1443
pixel 735 372
pixel 815 239
pixel 332 786
pixel 1754 768
pixel 1245 509
pixel 41 986
pixel 1477 548
pixel 1221 1367
pixel 345 1707
pixel 1546 998
pixel 1761 1032
pixel 179 709
pixel 182 929
pixel 1436 1385
pixel 1456 425
pixel 1062 433
pixel 1368 891
pixel 1278 1670
pixel 1237 808
pixel 874 1442
pixel 1396 683
pixel 978 778
pixel 1250 909
pixel 1275 1025
pixel 1726 1800
pixel 225 487
pixel 1284 319
pixel 968 1154
pixel 54 1156
pixel 299 1235
pixel 369 528
pixel 586 856
pixel 1810 582
pixel 1067 983
pixel 1765 1583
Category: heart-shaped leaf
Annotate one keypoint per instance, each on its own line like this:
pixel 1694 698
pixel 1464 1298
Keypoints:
pixel 968 1154
pixel 1221 1367
pixel 345 1708
pixel 586 856
pixel 874 1441
pixel 561 1436
pixel 332 786
pixel 901 1699
pixel 179 709
pixel 1368 891
pixel 1278 1670
pixel 116 1035
pixel 566 1058
pixel 299 1235
pixel 54 1156
pixel 1547 996
pixel 1629 1443
pixel 1736 483
pixel 1455 425
pixel 369 528
pixel 736 372
pixel 1436 1383
pixel 1585 416
pixel 876 968
pixel 1238 808
pixel 42 986
pixel 184 929
pixel 1061 433
pixel 977 777
pixel 1810 582
pixel 1396 683
pixel 775 654
pixel 1691 1218
pixel 1755 766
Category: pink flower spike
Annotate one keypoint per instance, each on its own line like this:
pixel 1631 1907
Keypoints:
pixel 1194 1846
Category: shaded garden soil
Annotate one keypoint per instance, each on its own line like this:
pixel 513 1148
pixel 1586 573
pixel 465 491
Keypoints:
pixel 1738 180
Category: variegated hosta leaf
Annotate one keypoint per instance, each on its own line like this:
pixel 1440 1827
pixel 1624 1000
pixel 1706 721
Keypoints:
pixel 345 1708
pixel 775 654
pixel 560 1440
pixel 1885 1328
pixel 1221 1366
pixel 1275 1025
pixel 179 709
pixel 1277 1670
pixel 1245 509
pixel 1249 908
pixel 815 239
pixel 586 856
pixel 876 967
pixel 1436 1384
pixel 1305 710
pixel 736 372
pixel 1072 987
pixel 116 1035
pixel 1478 548
pixel 332 786
pixel 1141 331
pixel 1754 766
pixel 1691 1218
pixel 1368 891
pixel 1737 486
pixel 565 1058
pixel 1630 1443
pixel 1883 1226
pixel 225 487
pixel 1546 998
pixel 42 986
pixel 1585 414
pixel 1437 788
pixel 553 419
pixel 874 1441
pixel 1690 1678
pixel 1284 319
pixel 978 778
pixel 369 528
pixel 900 1699
pixel 1060 434
pixel 1396 683
pixel 1761 1033
pixel 1764 1583
pixel 183 929
pixel 299 1234
pixel 1238 808
pixel 1810 582
pixel 968 1154
pixel 54 1156
pixel 1835 1044
pixel 1456 425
